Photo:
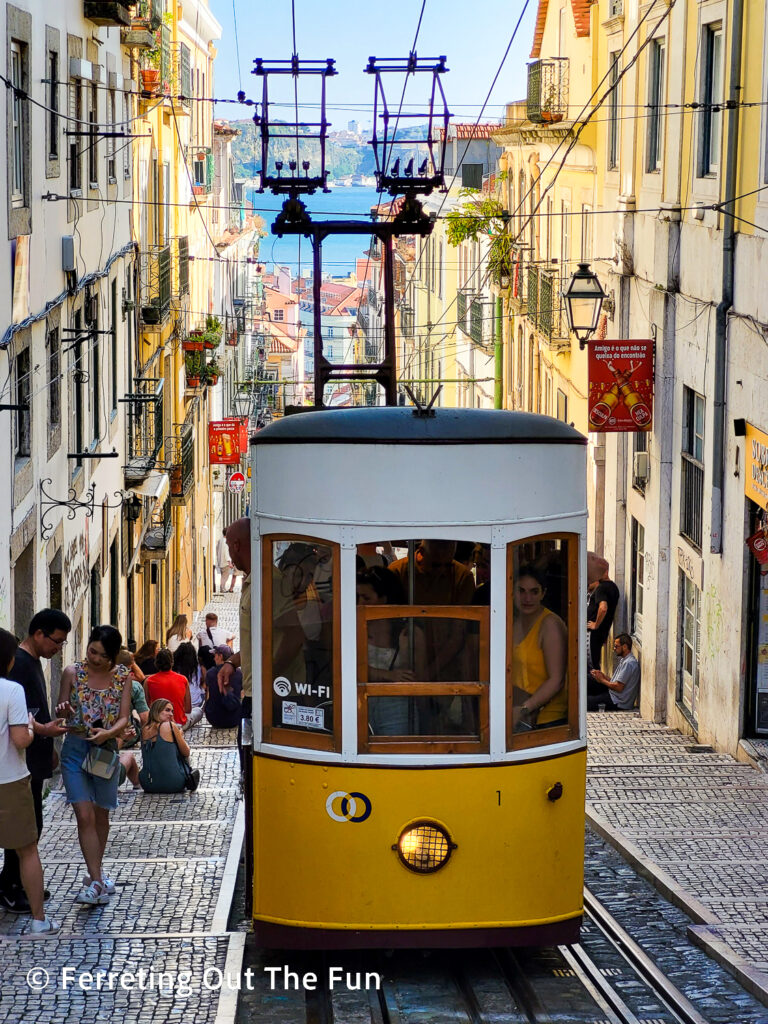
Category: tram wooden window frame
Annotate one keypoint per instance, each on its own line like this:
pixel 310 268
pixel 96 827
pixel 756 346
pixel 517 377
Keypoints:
pixel 282 735
pixel 559 733
pixel 434 744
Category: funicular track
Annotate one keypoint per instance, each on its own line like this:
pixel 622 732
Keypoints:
pixel 606 979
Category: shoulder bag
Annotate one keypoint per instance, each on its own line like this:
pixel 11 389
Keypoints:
pixel 191 778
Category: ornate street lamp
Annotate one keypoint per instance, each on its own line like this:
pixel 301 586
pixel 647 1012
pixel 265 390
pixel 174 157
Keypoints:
pixel 583 301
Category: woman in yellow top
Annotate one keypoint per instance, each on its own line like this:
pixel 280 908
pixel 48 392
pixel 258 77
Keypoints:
pixel 539 655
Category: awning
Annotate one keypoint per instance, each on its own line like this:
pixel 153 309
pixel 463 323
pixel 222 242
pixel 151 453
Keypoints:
pixel 157 486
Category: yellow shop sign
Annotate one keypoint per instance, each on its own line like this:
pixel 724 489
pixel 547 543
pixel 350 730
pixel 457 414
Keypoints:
pixel 756 481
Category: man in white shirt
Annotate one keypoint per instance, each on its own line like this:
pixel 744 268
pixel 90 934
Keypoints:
pixel 17 810
pixel 212 636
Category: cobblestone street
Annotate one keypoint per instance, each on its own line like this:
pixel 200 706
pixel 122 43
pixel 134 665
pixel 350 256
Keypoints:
pixel 174 859
pixel 694 823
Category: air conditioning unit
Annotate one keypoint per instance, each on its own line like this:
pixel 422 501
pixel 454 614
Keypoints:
pixel 641 464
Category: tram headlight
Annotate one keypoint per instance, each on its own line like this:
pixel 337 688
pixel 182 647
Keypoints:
pixel 424 846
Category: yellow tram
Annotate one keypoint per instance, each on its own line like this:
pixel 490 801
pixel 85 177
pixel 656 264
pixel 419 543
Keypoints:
pixel 419 750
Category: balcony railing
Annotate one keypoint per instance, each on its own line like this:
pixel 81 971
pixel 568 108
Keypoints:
pixel 180 461
pixel 147 19
pixel 463 301
pixel 547 99
pixel 203 170
pixel 481 322
pixel 544 303
pixel 181 75
pixel 155 283
pixel 180 265
pixel 145 426
pixel 108 12
pixel 160 529
pixel 692 499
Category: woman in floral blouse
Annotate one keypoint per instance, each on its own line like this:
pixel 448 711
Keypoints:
pixel 95 696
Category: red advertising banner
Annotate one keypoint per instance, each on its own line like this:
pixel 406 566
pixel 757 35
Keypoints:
pixel 620 386
pixel 227 441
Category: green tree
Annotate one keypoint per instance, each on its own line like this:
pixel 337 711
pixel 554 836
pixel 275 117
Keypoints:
pixel 483 216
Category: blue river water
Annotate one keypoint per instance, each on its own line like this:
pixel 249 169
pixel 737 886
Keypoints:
pixel 339 251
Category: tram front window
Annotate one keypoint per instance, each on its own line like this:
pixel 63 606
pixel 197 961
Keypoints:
pixel 300 619
pixel 542 595
pixel 422 649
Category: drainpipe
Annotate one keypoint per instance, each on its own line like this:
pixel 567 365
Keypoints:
pixel 498 354
pixel 726 301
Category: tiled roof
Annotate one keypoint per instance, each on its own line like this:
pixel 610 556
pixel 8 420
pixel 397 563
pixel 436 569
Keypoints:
pixel 581 17
pixel 472 131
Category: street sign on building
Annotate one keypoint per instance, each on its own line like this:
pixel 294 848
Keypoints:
pixel 620 386
pixel 227 441
pixel 236 482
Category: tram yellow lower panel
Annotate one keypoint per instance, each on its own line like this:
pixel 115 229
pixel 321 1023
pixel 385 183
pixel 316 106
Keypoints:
pixel 324 836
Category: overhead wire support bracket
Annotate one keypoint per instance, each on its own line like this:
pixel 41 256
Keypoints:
pixel 405 217
pixel 294 183
pixel 431 172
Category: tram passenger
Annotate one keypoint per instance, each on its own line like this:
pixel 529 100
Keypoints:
pixel 389 655
pixel 440 580
pixel 291 618
pixel 539 656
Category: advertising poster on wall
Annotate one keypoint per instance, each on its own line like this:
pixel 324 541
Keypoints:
pixel 621 386
pixel 227 441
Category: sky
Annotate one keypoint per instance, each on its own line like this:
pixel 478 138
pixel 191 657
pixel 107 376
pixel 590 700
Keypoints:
pixel 473 37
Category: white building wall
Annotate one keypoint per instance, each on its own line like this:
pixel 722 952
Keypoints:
pixel 99 231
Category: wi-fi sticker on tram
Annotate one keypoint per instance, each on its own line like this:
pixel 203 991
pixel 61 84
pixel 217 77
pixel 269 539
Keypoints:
pixel 282 686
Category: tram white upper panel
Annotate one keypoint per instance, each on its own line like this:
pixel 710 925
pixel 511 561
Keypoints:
pixel 386 466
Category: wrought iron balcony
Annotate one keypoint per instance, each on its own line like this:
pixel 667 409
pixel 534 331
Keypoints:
pixel 181 76
pixel 147 19
pixel 547 99
pixel 180 461
pixel 406 321
pixel 108 12
pixel 180 266
pixel 545 305
pixel 160 529
pixel 149 11
pixel 155 283
pixel 463 299
pixel 145 426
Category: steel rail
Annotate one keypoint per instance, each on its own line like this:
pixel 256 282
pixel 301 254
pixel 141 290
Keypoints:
pixel 641 963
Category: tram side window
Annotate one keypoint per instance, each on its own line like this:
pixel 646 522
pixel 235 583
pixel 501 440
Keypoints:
pixel 300 623
pixel 542 601
pixel 422 645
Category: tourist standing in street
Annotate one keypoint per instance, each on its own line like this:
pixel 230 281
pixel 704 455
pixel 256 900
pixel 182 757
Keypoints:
pixel 603 600
pixel 210 637
pixel 238 536
pixel 17 810
pixel 46 636
pixel 95 696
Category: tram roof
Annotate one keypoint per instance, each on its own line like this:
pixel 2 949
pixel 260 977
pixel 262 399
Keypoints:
pixel 402 425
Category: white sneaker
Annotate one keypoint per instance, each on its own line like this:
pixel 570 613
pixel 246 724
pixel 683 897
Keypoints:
pixel 109 885
pixel 93 894
pixel 42 929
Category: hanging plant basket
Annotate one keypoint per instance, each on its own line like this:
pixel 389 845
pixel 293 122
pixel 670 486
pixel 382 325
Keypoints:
pixel 210 344
pixel 232 338
pixel 212 379
pixel 192 345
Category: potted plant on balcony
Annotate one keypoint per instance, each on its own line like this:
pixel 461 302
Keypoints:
pixel 195 368
pixel 193 343
pixel 150 66
pixel 550 101
pixel 232 338
pixel 212 373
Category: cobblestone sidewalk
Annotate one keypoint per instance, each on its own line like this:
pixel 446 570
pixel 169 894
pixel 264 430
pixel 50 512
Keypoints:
pixel 694 823
pixel 164 932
